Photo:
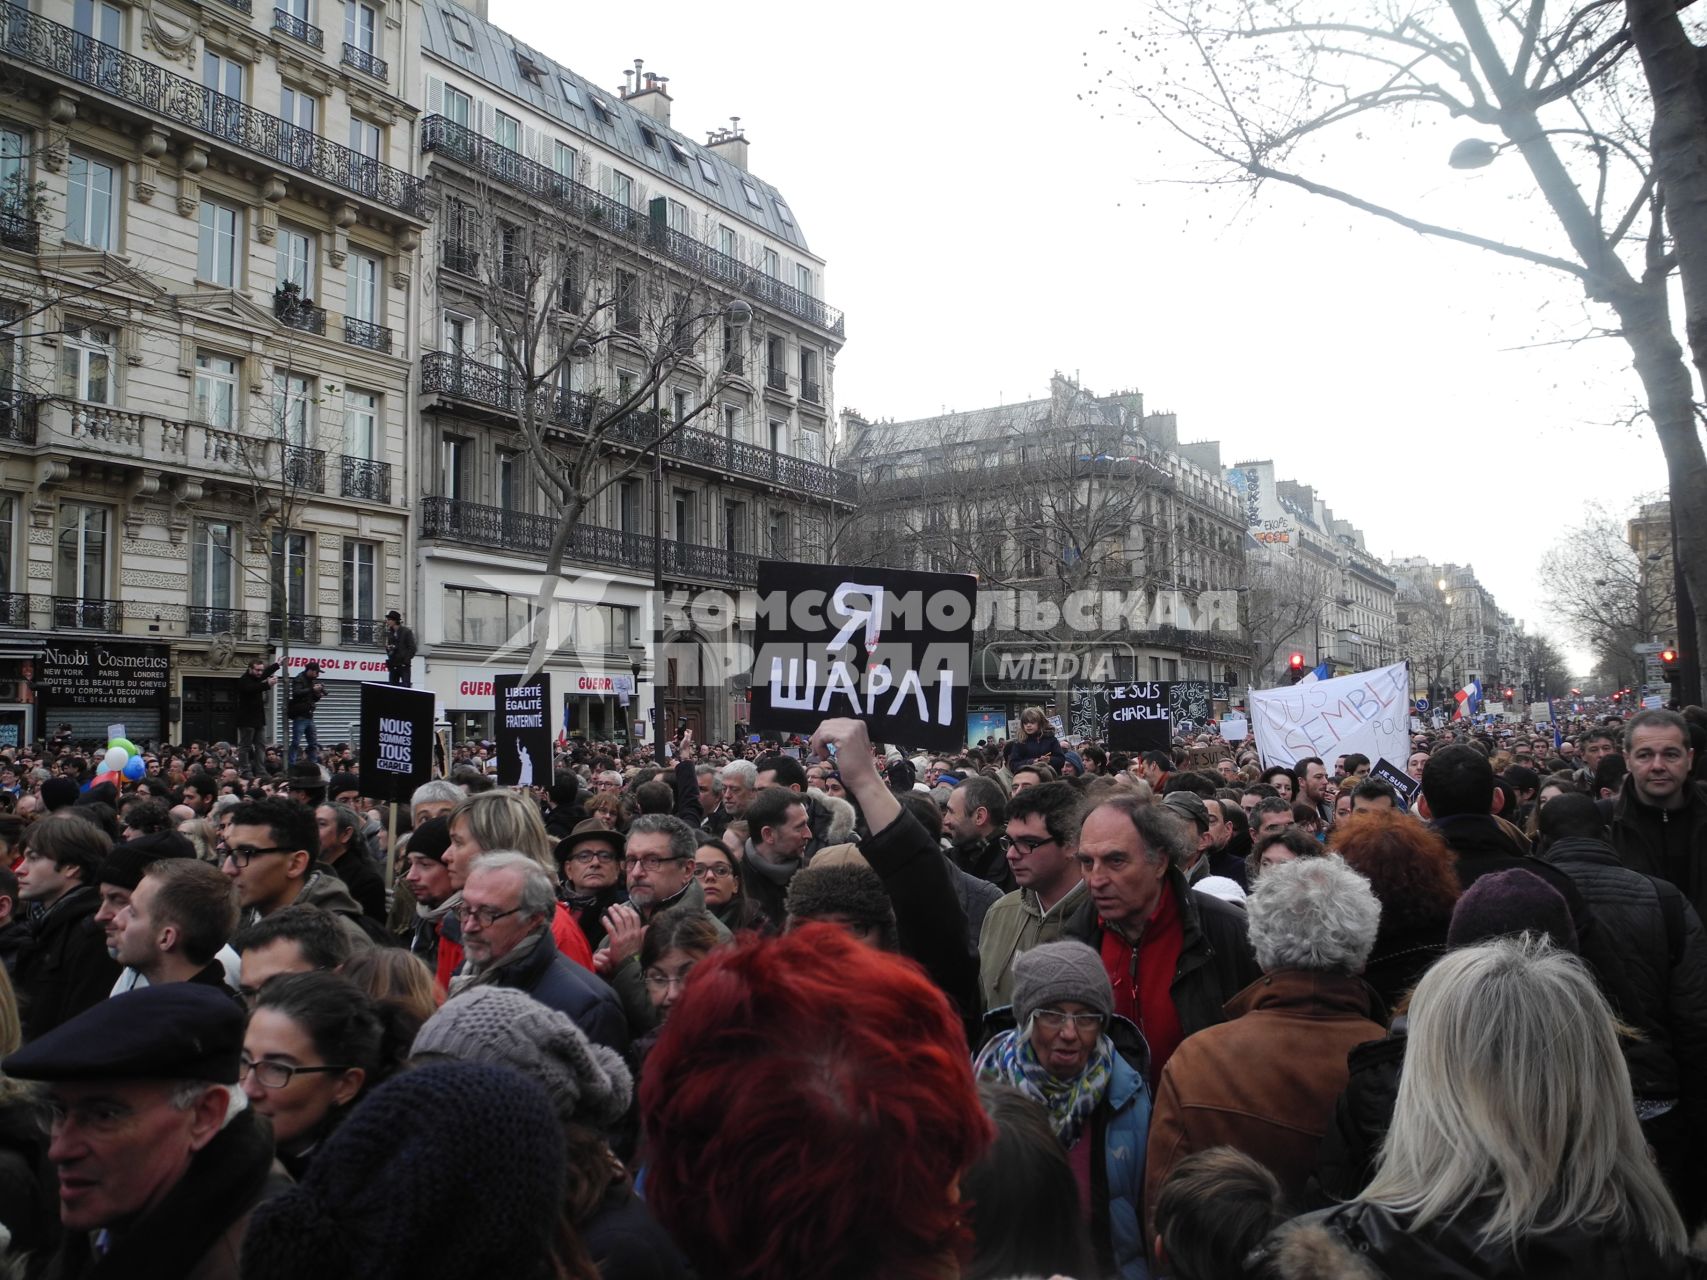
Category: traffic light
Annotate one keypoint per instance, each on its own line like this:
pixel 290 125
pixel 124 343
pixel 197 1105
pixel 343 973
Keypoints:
pixel 1509 694
pixel 1668 661
pixel 1295 666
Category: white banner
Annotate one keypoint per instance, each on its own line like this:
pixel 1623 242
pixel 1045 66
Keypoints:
pixel 1368 713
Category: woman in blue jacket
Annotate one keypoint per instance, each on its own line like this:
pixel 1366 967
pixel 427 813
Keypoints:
pixel 1087 1068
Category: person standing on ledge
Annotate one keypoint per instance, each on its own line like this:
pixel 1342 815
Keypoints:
pixel 399 649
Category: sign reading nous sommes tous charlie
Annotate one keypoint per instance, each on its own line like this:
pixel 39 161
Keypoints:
pixel 887 646
pixel 114 677
pixel 397 740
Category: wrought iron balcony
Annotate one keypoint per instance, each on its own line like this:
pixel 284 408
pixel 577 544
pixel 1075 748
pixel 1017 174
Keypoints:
pixel 447 374
pixel 365 478
pixel 304 469
pixel 74 613
pixel 302 627
pixel 17 418
pixel 689 560
pixel 211 620
pixel 364 333
pixel 362 60
pixel 50 46
pixel 461 259
pixel 568 196
pixel 242 6
pixel 14 609
pixel 296 312
pixel 363 631
pixel 18 231
pixel 811 392
pixel 776 379
pixel 298 29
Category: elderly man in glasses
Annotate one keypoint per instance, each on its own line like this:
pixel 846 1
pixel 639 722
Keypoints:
pixel 505 913
pixel 159 1162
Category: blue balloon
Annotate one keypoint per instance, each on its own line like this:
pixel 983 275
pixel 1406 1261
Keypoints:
pixel 134 769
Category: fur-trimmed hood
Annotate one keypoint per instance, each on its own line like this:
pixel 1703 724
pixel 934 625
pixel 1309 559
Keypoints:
pixel 1306 1249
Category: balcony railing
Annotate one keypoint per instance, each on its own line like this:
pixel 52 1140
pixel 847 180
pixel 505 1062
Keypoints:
pixel 461 259
pixel 304 469
pixel 565 194
pixel 51 46
pixel 17 418
pixel 213 620
pixel 301 627
pixel 17 231
pixel 776 379
pixel 811 392
pixel 74 613
pixel 454 520
pixel 242 6
pixel 363 631
pixel 364 333
pixel 362 60
pixel 298 29
pixel 14 609
pixel 444 373
pixel 296 312
pixel 365 478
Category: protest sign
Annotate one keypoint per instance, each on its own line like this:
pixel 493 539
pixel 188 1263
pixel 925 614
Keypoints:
pixel 1234 730
pixel 1138 717
pixel 1087 711
pixel 1398 779
pixel 887 646
pixel 1368 712
pixel 397 740
pixel 524 722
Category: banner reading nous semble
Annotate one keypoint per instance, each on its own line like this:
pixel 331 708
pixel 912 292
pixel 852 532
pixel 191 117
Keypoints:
pixel 1368 712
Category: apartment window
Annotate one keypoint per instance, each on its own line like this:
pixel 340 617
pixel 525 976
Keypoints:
pixel 601 108
pixel 213 565
pixel 735 526
pixel 783 213
pixel 572 94
pixel 680 219
pixel 511 491
pixel 8 526
pixel 627 302
pixel 778 534
pixel 361 424
pixel 779 436
pixel 362 302
pixel 293 396
pixel 289 588
pixel 812 445
pixel 752 194
pixel 297 9
pixel 223 75
pixel 707 170
pixel 770 262
pixel 298 109
pixel 676 152
pixel 361 580
pixel 296 259
pixel 87 362
pixel 630 503
pixel 684 527
pixel 776 356
pixel 458 105
pixel 646 135
pixel 564 160
pixel 484 617
pixel 803 278
pixel 80 565
pixel 621 188
pixel 731 421
pixel 679 406
pixel 14 172
pixel 625 384
pixel 808 368
pixel 728 243
pixel 453 467
pixel 460 32
pixel 216 245
pixel 98 21
pixel 91 215
pixel 361 27
pixel 507 131
pixel 364 137
pixel 216 390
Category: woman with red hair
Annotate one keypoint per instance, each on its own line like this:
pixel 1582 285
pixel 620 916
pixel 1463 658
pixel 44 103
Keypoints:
pixel 809 1109
pixel 1415 878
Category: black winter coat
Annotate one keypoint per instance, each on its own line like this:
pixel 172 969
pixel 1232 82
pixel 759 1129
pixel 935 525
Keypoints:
pixel 988 860
pixel 302 696
pixel 1045 747
pixel 1670 845
pixel 65 969
pixel 252 698
pixel 557 982
pixel 361 876
pixel 1362 1117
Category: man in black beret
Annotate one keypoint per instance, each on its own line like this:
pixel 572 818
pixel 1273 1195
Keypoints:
pixel 159 1167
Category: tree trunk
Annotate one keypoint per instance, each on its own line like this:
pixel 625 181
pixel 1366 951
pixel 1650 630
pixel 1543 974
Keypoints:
pixel 545 601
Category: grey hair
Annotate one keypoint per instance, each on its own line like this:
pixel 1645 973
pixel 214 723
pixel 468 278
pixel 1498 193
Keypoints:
pixel 1515 1101
pixel 682 842
pixel 608 775
pixel 538 896
pixel 438 791
pixel 741 771
pixel 1162 831
pixel 710 771
pixel 1313 913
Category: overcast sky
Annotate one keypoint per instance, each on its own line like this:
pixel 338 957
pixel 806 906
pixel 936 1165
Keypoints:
pixel 984 226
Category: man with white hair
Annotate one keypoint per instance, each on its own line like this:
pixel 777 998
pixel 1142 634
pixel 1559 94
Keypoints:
pixel 740 780
pixel 1266 1081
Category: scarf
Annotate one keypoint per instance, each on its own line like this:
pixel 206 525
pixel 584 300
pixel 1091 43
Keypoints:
pixel 491 973
pixel 432 915
pixel 1009 1059
pixel 776 872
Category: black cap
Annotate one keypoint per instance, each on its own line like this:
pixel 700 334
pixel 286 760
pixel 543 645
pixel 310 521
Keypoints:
pixel 430 839
pixel 342 782
pixel 179 1031
pixel 311 666
pixel 126 863
pixel 1190 806
pixel 394 616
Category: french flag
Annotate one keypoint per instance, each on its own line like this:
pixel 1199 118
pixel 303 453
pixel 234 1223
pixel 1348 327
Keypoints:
pixel 1469 698
pixel 1320 673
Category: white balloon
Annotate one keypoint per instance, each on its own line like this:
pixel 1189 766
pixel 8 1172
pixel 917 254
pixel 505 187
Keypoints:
pixel 116 758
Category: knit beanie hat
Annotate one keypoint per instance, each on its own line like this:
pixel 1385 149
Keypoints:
pixel 457 1169
pixel 587 1082
pixel 58 793
pixel 846 892
pixel 126 863
pixel 1059 971
pixel 1505 903
pixel 431 839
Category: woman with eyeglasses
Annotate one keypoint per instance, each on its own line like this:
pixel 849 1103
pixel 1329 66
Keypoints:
pixel 1085 1065
pixel 719 874
pixel 315 1045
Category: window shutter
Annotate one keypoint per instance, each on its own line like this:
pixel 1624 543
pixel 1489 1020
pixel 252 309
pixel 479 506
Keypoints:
pixel 435 96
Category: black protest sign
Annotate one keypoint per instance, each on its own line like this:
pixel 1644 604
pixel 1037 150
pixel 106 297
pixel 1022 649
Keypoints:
pixel 887 646
pixel 523 717
pixel 1138 717
pixel 1398 779
pixel 1087 711
pixel 397 740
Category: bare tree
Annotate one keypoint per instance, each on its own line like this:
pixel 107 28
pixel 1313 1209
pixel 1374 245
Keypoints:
pixel 1605 597
pixel 1283 600
pixel 1267 87
pixel 1426 637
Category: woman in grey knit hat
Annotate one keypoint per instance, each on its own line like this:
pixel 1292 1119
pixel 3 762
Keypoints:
pixel 1071 1053
pixel 590 1086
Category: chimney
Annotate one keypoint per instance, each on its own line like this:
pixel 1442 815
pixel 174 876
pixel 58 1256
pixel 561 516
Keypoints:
pixel 645 91
pixel 729 143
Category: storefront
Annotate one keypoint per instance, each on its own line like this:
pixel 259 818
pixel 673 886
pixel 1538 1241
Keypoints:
pixel 18 722
pixel 342 672
pixel 588 704
pixel 93 685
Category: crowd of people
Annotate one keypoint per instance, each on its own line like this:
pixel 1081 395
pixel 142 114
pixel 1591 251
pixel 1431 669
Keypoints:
pixel 835 1009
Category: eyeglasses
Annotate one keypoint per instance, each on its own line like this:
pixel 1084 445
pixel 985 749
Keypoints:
pixel 648 864
pixel 276 1075
pixel 1026 844
pixel 583 857
pixel 242 854
pixel 660 981
pixel 716 870
pixel 485 917
pixel 1055 1019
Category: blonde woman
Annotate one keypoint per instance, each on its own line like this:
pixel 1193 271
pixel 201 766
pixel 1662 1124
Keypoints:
pixel 1515 1150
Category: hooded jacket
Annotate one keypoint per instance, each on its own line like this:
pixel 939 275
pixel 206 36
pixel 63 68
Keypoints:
pixel 1013 926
